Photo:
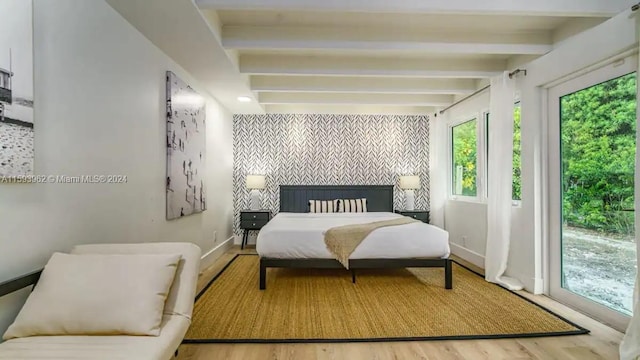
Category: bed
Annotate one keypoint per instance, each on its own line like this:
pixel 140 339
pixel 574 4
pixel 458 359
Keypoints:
pixel 294 238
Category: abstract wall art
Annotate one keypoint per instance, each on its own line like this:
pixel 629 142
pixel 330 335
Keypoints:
pixel 186 123
pixel 16 88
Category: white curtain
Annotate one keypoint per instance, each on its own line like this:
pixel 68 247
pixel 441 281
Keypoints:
pixel 500 174
pixel 437 168
pixel 630 346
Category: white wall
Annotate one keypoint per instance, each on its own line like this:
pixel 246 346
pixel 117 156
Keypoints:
pixel 100 109
pixel 467 221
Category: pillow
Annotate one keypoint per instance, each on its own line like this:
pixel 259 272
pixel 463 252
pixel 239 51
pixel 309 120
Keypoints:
pixel 97 295
pixel 354 205
pixel 324 206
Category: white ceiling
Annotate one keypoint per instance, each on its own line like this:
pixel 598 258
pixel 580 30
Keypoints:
pixel 400 56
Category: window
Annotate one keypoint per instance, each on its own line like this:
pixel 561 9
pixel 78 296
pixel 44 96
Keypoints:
pixel 464 159
pixel 517 150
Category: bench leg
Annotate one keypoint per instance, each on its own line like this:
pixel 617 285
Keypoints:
pixel 353 276
pixel 448 276
pixel 176 352
pixel 263 276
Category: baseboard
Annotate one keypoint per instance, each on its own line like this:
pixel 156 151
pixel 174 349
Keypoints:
pixel 538 286
pixel 468 255
pixel 531 284
pixel 207 259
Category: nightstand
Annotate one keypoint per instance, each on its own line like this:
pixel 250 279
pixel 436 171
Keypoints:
pixel 422 215
pixel 252 220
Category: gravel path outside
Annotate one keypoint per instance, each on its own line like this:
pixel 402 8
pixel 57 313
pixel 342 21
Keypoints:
pixel 599 267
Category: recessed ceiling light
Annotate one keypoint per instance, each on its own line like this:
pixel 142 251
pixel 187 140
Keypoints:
pixel 244 99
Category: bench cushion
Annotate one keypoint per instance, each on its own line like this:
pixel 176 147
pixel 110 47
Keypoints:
pixel 98 294
pixel 100 347
pixel 183 290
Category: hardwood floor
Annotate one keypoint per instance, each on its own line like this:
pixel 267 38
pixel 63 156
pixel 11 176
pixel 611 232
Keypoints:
pixel 602 343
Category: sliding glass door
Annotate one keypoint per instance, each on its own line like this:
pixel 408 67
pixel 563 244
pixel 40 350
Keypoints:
pixel 592 145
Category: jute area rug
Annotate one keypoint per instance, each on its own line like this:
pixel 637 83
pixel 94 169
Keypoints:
pixel 304 305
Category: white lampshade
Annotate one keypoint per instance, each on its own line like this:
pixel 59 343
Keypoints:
pixel 409 182
pixel 255 181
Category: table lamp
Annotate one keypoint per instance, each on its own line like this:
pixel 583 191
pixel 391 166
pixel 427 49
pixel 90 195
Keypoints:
pixel 408 184
pixel 255 183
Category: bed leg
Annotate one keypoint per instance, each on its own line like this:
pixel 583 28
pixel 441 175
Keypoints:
pixel 448 276
pixel 353 276
pixel 263 275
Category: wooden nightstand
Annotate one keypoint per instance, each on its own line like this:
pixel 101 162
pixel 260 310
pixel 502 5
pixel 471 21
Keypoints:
pixel 252 220
pixel 422 215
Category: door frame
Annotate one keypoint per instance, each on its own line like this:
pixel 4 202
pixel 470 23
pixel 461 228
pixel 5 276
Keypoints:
pixel 604 73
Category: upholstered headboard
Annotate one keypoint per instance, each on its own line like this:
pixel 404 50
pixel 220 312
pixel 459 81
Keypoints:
pixel 295 198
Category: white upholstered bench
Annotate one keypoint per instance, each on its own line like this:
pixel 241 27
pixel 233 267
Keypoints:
pixel 175 321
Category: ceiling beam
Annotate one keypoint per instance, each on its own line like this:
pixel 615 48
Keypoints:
pixel 349 109
pixel 197 36
pixel 384 39
pixel 356 99
pixel 342 84
pixel 367 66
pixel 563 8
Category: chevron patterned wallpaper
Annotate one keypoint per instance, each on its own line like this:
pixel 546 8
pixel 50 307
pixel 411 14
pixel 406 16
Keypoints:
pixel 319 149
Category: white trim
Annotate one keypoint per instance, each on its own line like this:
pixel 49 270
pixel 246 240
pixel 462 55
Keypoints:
pixel 566 8
pixel 212 255
pixel 576 74
pixel 538 286
pixel 544 195
pixel 467 199
pixel 486 117
pixel 531 284
pixel 485 154
pixel 612 70
pixel 466 254
pixel 474 116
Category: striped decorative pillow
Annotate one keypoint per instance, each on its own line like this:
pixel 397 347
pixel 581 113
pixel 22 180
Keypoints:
pixel 324 206
pixel 354 205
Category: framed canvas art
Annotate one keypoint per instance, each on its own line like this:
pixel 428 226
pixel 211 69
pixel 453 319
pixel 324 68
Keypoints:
pixel 16 88
pixel 186 123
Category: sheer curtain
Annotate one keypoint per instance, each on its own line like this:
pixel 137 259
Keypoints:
pixel 499 188
pixel 438 146
pixel 630 346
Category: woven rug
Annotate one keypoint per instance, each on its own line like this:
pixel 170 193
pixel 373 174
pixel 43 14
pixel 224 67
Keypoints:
pixel 323 305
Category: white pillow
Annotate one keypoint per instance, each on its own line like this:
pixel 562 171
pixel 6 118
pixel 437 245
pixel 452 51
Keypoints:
pixel 97 295
pixel 324 206
pixel 353 205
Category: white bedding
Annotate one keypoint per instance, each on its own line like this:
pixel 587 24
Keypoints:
pixel 301 236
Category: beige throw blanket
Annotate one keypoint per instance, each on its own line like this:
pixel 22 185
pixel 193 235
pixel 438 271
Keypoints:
pixel 342 241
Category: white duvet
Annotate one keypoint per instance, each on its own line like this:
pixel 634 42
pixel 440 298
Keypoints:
pixel 301 236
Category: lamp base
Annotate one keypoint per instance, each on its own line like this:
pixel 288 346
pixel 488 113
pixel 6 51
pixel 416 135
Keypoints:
pixel 256 200
pixel 410 200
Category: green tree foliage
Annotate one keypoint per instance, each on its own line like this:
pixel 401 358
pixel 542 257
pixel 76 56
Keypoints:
pixel 464 157
pixel 598 155
pixel 517 150
pixel 465 146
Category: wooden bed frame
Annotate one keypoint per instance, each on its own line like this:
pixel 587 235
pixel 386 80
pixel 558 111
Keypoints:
pixel 295 198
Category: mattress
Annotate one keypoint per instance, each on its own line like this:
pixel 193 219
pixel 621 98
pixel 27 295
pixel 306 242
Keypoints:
pixel 301 236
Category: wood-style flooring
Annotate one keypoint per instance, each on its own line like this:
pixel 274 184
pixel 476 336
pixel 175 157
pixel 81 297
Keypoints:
pixel 602 343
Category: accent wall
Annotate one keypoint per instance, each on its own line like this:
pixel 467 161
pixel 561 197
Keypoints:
pixel 328 149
